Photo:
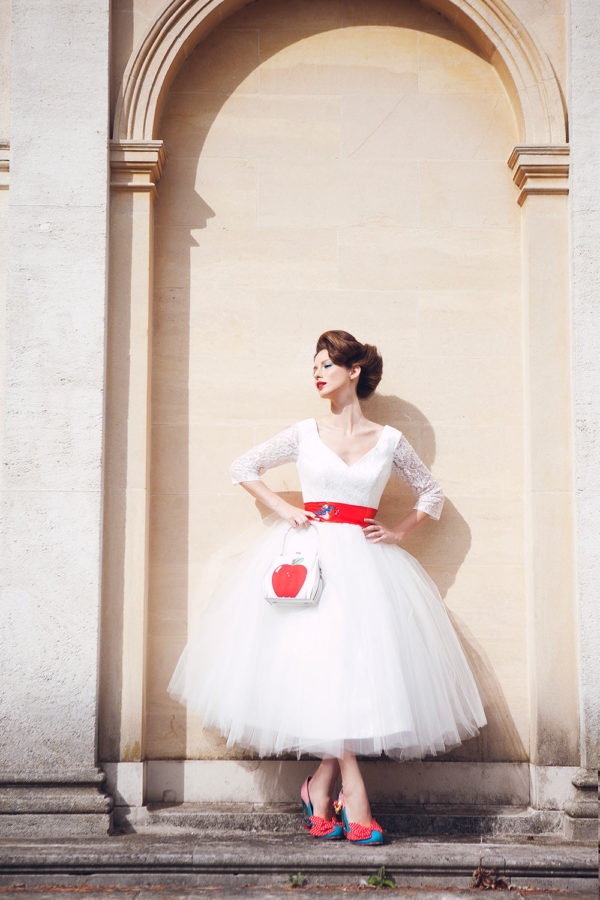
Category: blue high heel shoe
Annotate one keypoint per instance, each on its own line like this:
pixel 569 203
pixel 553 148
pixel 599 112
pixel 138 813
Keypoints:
pixel 326 829
pixel 354 831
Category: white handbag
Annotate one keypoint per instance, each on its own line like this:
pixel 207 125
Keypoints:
pixel 295 578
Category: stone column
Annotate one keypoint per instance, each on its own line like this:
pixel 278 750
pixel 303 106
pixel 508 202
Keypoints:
pixel 541 173
pixel 585 268
pixel 584 105
pixel 53 419
pixel 136 166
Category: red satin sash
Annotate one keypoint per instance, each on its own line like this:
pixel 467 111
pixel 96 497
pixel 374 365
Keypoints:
pixel 343 513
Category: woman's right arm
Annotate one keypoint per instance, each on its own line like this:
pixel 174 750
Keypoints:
pixel 294 515
pixel 248 468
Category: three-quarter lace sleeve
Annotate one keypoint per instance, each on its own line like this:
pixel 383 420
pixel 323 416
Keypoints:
pixel 409 467
pixel 280 449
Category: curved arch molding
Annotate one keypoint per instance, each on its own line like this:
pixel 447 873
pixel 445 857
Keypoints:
pixel 495 29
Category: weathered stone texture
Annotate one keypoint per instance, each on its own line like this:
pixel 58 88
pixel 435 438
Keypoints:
pixel 53 387
pixel 4 69
pixel 585 239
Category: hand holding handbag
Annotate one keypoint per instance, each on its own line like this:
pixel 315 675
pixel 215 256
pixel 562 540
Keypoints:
pixel 294 578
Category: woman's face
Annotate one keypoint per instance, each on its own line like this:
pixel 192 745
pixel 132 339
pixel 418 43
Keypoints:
pixel 330 377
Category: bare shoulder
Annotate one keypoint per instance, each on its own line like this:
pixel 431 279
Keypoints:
pixel 373 428
pixel 370 429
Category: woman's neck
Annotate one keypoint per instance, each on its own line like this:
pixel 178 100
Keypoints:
pixel 346 414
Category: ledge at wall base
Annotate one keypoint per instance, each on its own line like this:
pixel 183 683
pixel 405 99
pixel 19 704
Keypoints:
pixel 581 813
pixel 430 820
pixel 67 805
pixel 581 831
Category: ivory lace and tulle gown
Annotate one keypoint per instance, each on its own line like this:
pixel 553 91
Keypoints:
pixel 375 667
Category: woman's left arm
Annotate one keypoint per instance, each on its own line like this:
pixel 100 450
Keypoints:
pixel 378 533
pixel 407 465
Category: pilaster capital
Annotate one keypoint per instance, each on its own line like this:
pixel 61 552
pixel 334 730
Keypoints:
pixel 136 165
pixel 4 164
pixel 540 169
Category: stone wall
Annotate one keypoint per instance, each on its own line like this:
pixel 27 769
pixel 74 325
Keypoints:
pixel 351 175
pixel 260 215
pixel 281 205
pixel 53 394
pixel 585 237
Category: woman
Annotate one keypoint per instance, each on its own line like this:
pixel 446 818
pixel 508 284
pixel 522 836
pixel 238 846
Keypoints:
pixel 375 667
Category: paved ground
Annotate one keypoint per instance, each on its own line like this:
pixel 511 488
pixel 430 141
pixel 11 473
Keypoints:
pixel 179 867
pixel 266 892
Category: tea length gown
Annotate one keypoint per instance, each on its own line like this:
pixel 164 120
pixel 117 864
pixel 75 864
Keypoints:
pixel 375 667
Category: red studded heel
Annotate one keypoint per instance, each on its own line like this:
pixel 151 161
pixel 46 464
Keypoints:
pixel 320 828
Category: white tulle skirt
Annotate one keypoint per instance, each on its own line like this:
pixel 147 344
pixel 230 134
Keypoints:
pixel 375 668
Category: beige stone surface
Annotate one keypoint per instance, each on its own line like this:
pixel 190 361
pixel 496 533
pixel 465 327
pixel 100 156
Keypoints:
pixel 554 713
pixel 337 193
pixel 341 164
pixel 228 63
pixel 548 323
pixel 334 163
pixel 445 68
pixel 3 267
pixel 450 390
pixel 271 781
pixel 547 19
pixel 424 125
pixel 355 177
pixel 467 193
pixel 341 61
pixel 5 31
pixel 130 20
pixel 249 125
pixel 53 337
pixel 497 34
pixel 585 231
pixel 431 259
pixel 126 471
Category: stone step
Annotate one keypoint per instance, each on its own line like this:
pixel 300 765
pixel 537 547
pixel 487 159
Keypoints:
pixel 284 818
pixel 235 862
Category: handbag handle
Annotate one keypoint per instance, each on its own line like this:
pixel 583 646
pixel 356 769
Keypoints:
pixel 291 528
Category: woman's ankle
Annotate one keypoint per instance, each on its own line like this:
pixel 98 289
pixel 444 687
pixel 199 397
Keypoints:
pixel 358 808
pixel 322 803
pixel 324 782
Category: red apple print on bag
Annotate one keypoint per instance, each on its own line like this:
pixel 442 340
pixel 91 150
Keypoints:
pixel 289 578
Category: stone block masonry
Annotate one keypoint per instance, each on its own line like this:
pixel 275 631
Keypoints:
pixel 53 431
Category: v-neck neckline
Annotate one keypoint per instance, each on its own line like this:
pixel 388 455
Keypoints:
pixel 343 461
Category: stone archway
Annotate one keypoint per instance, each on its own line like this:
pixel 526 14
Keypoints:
pixel 491 24
pixel 540 166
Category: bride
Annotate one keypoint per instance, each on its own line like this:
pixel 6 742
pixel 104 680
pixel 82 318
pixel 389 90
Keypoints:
pixel 375 667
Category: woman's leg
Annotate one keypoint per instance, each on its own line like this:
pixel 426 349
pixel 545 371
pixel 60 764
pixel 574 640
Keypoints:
pixel 322 786
pixel 356 801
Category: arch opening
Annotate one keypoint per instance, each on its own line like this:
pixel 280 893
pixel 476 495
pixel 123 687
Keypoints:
pixel 495 29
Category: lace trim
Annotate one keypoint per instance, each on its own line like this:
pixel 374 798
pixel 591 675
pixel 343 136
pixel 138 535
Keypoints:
pixel 407 465
pixel 280 449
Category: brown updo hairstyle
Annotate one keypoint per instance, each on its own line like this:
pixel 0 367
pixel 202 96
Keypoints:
pixel 345 350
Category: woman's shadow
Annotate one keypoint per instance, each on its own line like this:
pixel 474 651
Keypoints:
pixel 442 547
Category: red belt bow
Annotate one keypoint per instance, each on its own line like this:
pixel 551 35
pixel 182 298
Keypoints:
pixel 343 513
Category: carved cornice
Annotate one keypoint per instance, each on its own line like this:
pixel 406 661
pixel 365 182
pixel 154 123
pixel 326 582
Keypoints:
pixel 136 165
pixel 4 165
pixel 540 170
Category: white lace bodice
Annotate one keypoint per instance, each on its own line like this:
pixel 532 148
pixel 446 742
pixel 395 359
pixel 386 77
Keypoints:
pixel 325 476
